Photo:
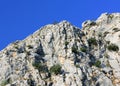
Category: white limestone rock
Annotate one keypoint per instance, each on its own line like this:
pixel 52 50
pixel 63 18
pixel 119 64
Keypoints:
pixel 28 62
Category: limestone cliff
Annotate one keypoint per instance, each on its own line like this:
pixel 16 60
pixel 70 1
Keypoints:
pixel 64 55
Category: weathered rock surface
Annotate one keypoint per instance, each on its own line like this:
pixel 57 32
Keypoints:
pixel 82 57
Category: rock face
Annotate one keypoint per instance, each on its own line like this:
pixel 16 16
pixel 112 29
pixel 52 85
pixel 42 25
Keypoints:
pixel 64 55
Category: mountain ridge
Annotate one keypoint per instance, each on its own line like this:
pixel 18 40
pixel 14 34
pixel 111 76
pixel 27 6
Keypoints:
pixel 64 55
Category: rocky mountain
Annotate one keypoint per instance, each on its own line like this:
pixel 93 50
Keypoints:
pixel 64 55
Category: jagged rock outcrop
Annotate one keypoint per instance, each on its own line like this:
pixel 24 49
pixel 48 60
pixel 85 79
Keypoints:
pixel 64 55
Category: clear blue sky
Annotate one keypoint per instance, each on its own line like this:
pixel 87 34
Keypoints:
pixel 19 18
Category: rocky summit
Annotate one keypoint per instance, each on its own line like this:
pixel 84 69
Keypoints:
pixel 61 54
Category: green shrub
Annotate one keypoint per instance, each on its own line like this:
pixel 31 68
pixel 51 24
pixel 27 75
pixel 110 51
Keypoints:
pixel 92 41
pixel 97 63
pixel 74 49
pixel 56 69
pixel 4 83
pixel 77 65
pixel 83 49
pixel 40 67
pixel 113 47
pixel 66 43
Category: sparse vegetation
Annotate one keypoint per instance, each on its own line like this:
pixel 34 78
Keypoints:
pixel 66 43
pixel 92 41
pixel 74 50
pixel 16 47
pixel 56 69
pixel 83 49
pixel 4 83
pixel 97 63
pixel 40 67
pixel 77 65
pixel 113 47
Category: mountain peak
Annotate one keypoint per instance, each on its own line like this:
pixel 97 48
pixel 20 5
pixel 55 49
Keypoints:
pixel 65 22
pixel 61 54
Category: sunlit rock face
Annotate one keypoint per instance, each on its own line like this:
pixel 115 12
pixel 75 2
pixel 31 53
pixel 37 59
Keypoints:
pixel 64 55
